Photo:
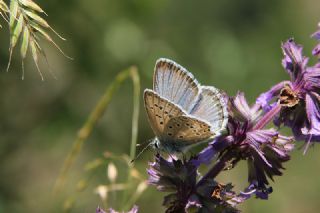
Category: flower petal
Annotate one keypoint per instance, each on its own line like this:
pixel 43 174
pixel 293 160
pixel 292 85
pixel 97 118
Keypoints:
pixel 241 110
pixel 316 35
pixel 264 100
pixel 316 50
pixel 293 61
pixel 313 114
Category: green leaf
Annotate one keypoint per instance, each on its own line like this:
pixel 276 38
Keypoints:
pixel 41 31
pixel 37 19
pixel 48 37
pixel 25 42
pixel 32 5
pixel 35 51
pixel 16 32
pixel 14 6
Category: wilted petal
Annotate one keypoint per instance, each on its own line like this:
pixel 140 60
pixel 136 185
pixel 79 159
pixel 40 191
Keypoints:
pixel 264 100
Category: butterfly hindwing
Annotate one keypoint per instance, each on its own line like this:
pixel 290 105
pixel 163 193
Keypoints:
pixel 159 111
pixel 212 108
pixel 187 130
pixel 175 83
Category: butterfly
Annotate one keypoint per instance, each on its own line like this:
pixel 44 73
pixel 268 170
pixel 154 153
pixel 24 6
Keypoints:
pixel 181 112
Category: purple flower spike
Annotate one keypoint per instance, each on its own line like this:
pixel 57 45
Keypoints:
pixel 299 98
pixel 265 150
pixel 179 177
pixel 300 102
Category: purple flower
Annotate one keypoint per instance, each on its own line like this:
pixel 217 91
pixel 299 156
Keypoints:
pixel 264 149
pixel 299 98
pixel 179 177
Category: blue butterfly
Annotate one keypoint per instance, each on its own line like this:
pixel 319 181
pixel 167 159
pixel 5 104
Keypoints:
pixel 181 112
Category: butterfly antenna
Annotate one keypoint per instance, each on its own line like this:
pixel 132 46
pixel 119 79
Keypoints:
pixel 144 149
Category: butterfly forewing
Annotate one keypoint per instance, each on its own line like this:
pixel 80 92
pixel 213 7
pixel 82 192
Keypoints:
pixel 159 111
pixel 187 130
pixel 212 108
pixel 175 83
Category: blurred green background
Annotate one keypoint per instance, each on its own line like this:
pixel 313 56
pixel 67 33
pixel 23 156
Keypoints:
pixel 233 45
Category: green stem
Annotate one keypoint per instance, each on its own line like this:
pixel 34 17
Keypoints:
pixel 134 136
pixel 135 114
pixel 92 120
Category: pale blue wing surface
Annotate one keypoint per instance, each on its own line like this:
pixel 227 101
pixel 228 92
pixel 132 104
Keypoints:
pixel 159 111
pixel 211 107
pixel 175 83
